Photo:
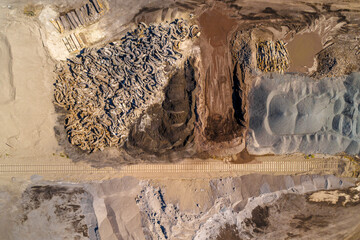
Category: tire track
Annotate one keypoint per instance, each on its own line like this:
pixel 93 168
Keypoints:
pixel 194 167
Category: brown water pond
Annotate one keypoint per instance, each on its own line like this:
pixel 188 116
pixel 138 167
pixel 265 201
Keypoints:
pixel 302 50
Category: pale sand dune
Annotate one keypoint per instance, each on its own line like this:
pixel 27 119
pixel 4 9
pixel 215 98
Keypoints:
pixel 290 113
pixel 28 116
pixel 117 214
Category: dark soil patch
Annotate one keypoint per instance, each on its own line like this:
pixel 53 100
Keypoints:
pixel 228 232
pixel 259 220
pixel 172 123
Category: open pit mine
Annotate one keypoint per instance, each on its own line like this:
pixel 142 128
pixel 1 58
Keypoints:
pixel 179 119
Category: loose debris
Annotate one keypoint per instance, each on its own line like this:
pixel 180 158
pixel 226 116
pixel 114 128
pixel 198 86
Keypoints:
pixel 87 14
pixel 73 43
pixel 105 90
pixel 341 197
pixel 32 10
pixel 272 56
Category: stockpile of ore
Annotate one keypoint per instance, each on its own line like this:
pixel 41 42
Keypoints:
pixel 104 91
pixel 272 56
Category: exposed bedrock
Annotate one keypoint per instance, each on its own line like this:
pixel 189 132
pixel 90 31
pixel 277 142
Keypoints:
pixel 290 114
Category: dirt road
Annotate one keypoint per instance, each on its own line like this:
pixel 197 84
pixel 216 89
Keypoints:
pixel 66 170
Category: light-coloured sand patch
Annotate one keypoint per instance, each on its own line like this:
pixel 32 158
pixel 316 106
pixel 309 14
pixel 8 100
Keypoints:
pixel 7 90
pixel 190 194
pixel 333 197
pixel 27 121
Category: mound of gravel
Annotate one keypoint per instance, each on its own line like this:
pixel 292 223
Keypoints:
pixel 291 113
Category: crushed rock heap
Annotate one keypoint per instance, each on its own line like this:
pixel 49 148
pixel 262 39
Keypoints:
pixel 105 90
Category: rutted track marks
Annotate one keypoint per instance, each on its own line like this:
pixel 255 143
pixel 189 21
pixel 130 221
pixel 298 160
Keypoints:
pixel 324 165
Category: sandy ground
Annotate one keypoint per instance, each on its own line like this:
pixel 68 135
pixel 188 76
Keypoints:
pixel 129 208
pixel 66 170
pixel 27 144
pixel 28 115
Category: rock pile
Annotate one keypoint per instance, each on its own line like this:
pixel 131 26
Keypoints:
pixel 87 14
pixel 105 90
pixel 272 56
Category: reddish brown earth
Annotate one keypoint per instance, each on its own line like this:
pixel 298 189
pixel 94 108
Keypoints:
pixel 215 28
pixel 220 131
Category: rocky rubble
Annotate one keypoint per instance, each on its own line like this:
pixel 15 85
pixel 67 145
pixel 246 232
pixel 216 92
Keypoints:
pixel 104 91
pixel 233 203
pixel 272 56
pixel 250 207
pixel 85 15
